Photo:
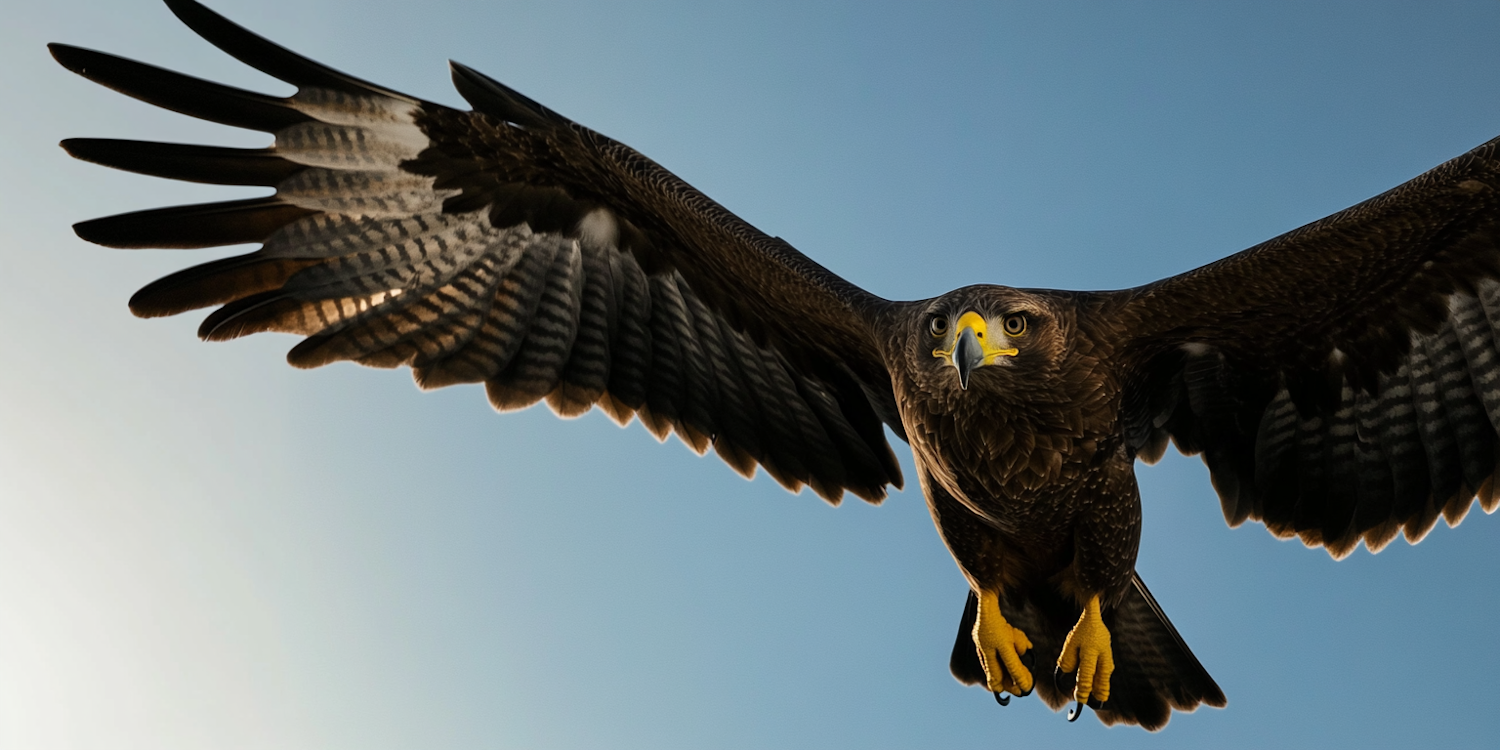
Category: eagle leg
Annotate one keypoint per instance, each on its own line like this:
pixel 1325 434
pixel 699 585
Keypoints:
pixel 1000 649
pixel 1087 650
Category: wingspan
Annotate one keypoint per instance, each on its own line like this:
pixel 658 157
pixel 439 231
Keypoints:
pixel 1342 381
pixel 509 246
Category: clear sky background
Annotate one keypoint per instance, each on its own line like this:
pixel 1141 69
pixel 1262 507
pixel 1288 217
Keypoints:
pixel 202 547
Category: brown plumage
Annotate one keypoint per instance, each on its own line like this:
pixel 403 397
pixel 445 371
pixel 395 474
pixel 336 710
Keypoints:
pixel 1342 382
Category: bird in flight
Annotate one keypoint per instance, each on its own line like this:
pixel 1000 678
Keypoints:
pixel 1341 382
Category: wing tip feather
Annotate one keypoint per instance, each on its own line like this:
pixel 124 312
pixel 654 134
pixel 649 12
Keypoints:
pixel 71 57
pixel 267 56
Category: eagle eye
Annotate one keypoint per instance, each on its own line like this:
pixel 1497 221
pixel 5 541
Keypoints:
pixel 938 325
pixel 1015 325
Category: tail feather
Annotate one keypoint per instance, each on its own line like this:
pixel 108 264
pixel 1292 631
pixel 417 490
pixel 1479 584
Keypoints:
pixel 1155 671
pixel 964 663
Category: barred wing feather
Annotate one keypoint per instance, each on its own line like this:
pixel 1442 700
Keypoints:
pixel 1342 380
pixel 507 246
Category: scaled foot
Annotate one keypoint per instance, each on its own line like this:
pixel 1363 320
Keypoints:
pixel 1087 650
pixel 1000 649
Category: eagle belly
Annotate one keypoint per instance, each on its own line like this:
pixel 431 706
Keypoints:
pixel 1019 503
pixel 1080 535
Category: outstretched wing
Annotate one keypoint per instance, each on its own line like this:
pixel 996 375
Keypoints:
pixel 1342 381
pixel 509 246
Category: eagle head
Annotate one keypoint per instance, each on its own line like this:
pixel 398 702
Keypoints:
pixel 1012 335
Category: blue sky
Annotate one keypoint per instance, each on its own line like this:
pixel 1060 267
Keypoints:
pixel 200 546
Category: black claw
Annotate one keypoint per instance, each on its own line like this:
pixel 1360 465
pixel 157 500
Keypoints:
pixel 1095 704
pixel 1029 659
pixel 1075 712
pixel 1057 674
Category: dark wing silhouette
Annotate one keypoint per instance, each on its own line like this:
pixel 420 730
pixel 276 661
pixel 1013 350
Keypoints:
pixel 509 246
pixel 1342 380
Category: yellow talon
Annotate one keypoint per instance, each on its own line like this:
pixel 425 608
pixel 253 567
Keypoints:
pixel 995 637
pixel 1087 650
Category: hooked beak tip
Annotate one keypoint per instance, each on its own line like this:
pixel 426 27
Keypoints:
pixel 968 354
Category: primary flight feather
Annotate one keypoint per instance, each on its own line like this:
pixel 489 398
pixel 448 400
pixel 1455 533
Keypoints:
pixel 1342 381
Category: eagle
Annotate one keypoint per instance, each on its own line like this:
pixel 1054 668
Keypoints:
pixel 1341 382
